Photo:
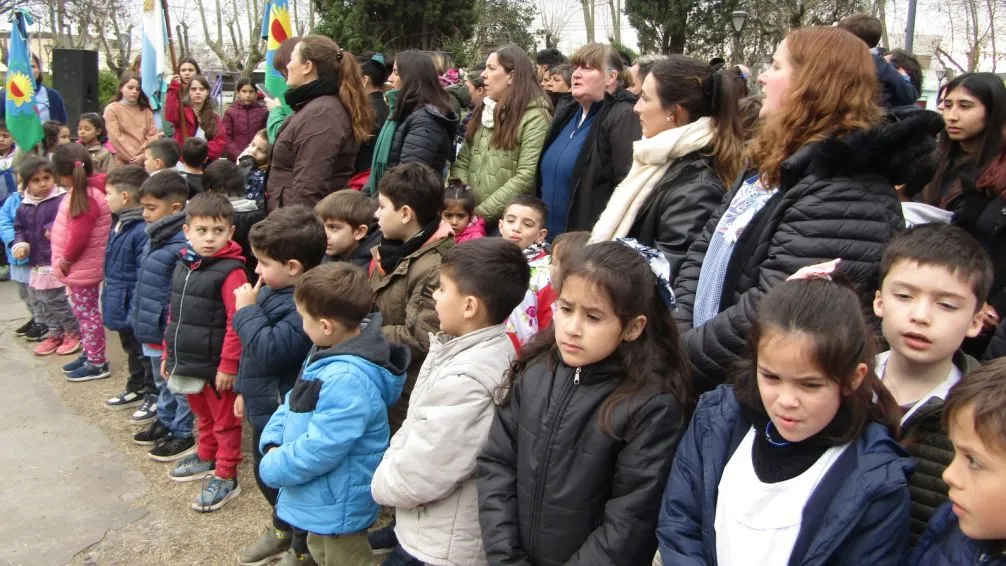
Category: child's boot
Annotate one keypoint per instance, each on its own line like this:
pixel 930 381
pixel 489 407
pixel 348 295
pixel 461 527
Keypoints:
pixel 271 545
pixel 294 558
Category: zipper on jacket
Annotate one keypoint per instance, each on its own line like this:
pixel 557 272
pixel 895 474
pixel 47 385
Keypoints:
pixel 178 323
pixel 539 486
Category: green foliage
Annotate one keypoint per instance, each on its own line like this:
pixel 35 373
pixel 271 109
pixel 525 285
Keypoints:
pixel 396 25
pixel 498 23
pixel 108 83
pixel 624 50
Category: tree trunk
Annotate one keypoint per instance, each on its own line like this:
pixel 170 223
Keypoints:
pixel 616 20
pixel 588 18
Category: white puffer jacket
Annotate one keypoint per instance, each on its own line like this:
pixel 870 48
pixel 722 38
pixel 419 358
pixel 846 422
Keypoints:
pixel 427 474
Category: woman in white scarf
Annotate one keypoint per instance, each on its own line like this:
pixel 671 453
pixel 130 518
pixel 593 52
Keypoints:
pixel 691 150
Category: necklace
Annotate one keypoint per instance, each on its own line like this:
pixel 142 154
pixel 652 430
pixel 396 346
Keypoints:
pixel 768 437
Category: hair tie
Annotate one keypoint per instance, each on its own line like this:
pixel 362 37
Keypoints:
pixel 816 271
pixel 660 267
pixel 78 164
pixel 338 54
pixel 377 58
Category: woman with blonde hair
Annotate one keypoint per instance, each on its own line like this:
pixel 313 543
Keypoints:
pixel 820 188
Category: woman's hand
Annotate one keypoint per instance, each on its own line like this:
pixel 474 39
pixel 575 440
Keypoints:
pixel 271 103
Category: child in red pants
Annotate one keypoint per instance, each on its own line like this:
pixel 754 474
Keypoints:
pixel 201 349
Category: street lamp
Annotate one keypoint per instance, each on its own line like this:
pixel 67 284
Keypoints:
pixel 738 18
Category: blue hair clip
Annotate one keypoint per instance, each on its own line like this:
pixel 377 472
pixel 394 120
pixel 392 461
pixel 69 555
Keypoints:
pixel 660 267
pixel 377 58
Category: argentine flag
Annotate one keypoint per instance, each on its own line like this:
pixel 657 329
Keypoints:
pixel 152 65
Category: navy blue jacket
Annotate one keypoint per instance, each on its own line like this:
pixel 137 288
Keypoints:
pixel 273 349
pixel 126 242
pixel 857 515
pixel 944 543
pixel 149 311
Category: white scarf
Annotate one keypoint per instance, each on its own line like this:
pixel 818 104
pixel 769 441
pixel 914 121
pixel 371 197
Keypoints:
pixel 651 157
pixel 488 112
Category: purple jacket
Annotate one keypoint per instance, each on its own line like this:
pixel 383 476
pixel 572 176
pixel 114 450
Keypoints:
pixel 33 220
pixel 242 123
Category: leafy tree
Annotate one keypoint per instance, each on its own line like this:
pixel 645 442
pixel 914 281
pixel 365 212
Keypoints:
pixel 395 25
pixel 498 23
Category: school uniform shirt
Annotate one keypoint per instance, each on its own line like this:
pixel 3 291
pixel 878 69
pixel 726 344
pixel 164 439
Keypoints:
pixel 757 522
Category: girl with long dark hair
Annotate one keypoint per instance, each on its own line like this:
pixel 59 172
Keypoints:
pixel 129 121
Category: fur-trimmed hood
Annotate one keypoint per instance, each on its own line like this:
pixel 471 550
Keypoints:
pixel 891 150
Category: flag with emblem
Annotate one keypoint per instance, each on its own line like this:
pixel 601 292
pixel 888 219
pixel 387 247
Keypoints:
pixel 152 63
pixel 276 29
pixel 22 118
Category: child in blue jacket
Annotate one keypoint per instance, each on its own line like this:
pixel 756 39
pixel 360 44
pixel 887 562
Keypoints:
pixel 794 464
pixel 971 528
pixel 286 244
pixel 324 443
pixel 19 268
pixel 126 243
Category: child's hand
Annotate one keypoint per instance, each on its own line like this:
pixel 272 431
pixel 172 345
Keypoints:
pixel 225 381
pixel 239 406
pixel 246 295
pixel 164 369
pixel 48 234
pixel 21 252
pixel 64 267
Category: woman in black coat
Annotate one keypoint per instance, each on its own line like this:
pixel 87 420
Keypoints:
pixel 822 190
pixel 426 123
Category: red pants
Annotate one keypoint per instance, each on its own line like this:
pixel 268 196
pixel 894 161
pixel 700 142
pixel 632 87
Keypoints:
pixel 219 430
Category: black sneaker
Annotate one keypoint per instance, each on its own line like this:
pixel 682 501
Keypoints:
pixel 155 433
pixel 173 448
pixel 25 327
pixel 36 333
pixel 383 541
pixel 147 410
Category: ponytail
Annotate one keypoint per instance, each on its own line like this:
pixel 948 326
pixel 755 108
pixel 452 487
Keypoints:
pixel 354 97
pixel 73 160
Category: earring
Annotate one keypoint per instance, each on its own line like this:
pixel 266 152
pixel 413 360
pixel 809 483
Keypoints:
pixel 668 118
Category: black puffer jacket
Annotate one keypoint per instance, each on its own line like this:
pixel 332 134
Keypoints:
pixel 605 159
pixel 554 489
pixel 835 200
pixel 677 210
pixel 425 136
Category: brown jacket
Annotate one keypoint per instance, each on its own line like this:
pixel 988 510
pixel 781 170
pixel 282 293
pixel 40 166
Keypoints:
pixel 404 298
pixel 314 154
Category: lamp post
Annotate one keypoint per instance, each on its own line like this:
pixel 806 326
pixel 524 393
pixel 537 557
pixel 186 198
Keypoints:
pixel 738 18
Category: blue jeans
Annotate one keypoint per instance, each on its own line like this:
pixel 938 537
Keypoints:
pixel 172 410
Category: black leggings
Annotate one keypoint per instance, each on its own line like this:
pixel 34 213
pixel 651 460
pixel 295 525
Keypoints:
pixel 299 539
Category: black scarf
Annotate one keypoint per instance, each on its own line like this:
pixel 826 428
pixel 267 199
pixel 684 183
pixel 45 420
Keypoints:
pixel 299 96
pixel 773 464
pixel 394 251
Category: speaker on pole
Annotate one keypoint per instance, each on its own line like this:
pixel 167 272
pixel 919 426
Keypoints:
pixel 75 76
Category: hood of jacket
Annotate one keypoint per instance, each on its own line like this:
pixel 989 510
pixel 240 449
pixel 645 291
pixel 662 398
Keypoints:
pixel 166 229
pixel 450 119
pixel 460 93
pixel 56 192
pixel 890 150
pixel 374 348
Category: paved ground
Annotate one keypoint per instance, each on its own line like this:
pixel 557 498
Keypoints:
pixel 73 487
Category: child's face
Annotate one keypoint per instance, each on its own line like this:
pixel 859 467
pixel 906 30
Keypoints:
pixel 117 198
pixel 151 163
pixel 208 235
pixel 186 71
pixel 394 223
pixel 86 132
pixel 342 237
pixel 131 91
pixel 64 135
pixel 522 225
pixel 247 94
pixel 977 480
pixel 453 306
pixel 41 184
pixel 6 141
pixel 456 215
pixel 799 398
pixel 155 209
pixel 198 94
pixel 260 150
pixel 927 312
pixel 275 274
pixel 587 330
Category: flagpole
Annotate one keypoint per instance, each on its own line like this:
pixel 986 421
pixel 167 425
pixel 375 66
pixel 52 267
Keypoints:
pixel 174 66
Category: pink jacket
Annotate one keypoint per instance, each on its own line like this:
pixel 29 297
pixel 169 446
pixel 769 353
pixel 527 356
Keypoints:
pixel 81 241
pixel 475 229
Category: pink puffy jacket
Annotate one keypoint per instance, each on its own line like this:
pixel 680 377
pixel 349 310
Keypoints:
pixel 69 235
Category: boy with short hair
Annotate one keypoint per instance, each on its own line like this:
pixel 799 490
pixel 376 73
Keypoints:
pixel 273 347
pixel 201 348
pixel 523 223
pixel 225 177
pixel 406 265
pixel 254 164
pixel 348 216
pixel 161 155
pixel 934 281
pixel 971 527
pixel 193 157
pixel 162 198
pixel 428 472
pixel 325 441
pixel 126 244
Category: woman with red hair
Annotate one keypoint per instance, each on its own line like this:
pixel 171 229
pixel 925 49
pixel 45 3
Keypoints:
pixel 819 186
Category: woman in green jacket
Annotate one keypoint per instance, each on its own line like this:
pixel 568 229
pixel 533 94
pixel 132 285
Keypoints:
pixel 499 157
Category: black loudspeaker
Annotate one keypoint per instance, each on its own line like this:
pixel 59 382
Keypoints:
pixel 75 76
